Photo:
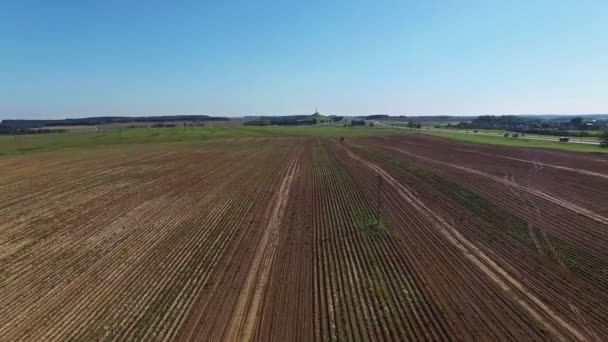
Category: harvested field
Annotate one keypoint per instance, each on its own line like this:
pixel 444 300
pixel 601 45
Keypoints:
pixel 295 239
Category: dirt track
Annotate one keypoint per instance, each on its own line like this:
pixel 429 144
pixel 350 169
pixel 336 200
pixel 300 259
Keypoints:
pixel 278 239
pixel 247 311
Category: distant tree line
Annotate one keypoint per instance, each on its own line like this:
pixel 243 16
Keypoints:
pixel 160 125
pixel 102 120
pixel 425 118
pixel 280 121
pixel 490 121
pixel 4 130
pixel 291 120
pixel 375 117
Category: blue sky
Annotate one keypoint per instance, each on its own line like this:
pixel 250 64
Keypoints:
pixel 81 58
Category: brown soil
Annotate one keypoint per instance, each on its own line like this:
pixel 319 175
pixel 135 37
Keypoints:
pixel 299 240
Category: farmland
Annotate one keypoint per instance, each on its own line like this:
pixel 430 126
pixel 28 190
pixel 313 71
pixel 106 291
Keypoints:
pixel 528 141
pixel 302 237
pixel 495 137
pixel 14 144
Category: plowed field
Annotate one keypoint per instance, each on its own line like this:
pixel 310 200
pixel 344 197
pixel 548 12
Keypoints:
pixel 285 239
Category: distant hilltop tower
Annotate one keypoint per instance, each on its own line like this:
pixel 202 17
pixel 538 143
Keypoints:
pixel 318 117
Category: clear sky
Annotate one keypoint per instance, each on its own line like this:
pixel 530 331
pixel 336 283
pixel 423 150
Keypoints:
pixel 112 57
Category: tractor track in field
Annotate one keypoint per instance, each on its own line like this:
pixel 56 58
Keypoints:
pixel 551 280
pixel 287 311
pixel 441 271
pixel 581 189
pixel 538 193
pixel 246 315
pixel 538 164
pixel 506 282
pixel 551 217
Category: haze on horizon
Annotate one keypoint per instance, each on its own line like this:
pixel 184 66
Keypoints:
pixel 89 58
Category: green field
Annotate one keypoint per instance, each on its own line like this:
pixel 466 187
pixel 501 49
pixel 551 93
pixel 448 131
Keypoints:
pixel 518 142
pixel 594 135
pixel 49 142
pixel 53 142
